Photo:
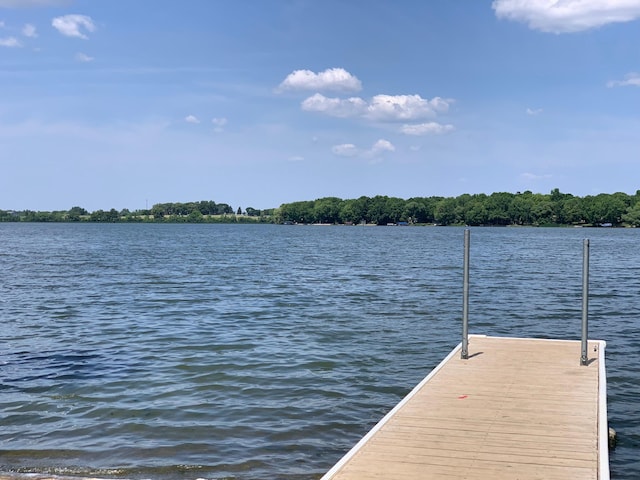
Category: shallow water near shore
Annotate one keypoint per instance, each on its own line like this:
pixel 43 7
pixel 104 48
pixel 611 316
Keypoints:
pixel 263 351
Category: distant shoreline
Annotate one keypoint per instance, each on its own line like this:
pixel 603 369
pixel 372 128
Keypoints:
pixel 497 209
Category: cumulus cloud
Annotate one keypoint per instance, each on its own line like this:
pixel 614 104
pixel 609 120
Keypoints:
pixel 567 16
pixel 376 150
pixel 379 108
pixel 386 108
pixel 383 146
pixel 404 107
pixel 534 111
pixel 10 42
pixel 429 128
pixel 191 119
pixel 335 107
pixel 630 79
pixel 29 30
pixel 83 57
pixel 332 79
pixel 73 25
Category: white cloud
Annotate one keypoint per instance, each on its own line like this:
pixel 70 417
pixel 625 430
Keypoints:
pixel 191 119
pixel 387 108
pixel 383 146
pixel 345 150
pixel 72 25
pixel 376 150
pixel 567 16
pixel 404 107
pixel 630 79
pixel 335 107
pixel 296 158
pixel 1 24
pixel 83 57
pixel 333 79
pixel 219 124
pixel 429 128
pixel 534 111
pixel 10 42
pixel 29 30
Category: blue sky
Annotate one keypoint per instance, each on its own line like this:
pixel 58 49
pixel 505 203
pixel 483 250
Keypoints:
pixel 114 104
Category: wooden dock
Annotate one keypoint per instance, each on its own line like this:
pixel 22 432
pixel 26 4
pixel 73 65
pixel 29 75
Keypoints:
pixel 515 409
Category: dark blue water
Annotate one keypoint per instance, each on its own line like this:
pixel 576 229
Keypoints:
pixel 261 351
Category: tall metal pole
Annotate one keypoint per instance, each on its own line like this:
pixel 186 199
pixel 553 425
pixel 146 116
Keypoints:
pixel 465 298
pixel 585 302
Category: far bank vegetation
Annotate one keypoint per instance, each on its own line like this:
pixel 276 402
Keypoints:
pixel 496 209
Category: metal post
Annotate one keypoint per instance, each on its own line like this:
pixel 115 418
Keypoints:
pixel 465 298
pixel 585 301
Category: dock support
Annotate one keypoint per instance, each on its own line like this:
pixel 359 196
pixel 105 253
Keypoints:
pixel 464 352
pixel 585 302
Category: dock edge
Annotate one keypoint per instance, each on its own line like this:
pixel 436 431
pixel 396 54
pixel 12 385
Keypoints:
pixel 354 450
pixel 603 425
pixel 603 421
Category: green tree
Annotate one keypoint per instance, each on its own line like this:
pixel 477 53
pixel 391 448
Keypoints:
pixel 377 211
pixel 395 209
pixel 327 210
pixel 207 207
pixel 604 208
pixel 361 207
pixel 445 212
pixel 6 216
pixel 415 211
pixel 521 209
pixel 632 215
pixel 298 212
pixel 572 211
pixel 498 206
pixel 541 209
pixel 223 209
pixel 349 212
pixel 159 210
pixel 476 211
pixel 75 213
pixel 195 217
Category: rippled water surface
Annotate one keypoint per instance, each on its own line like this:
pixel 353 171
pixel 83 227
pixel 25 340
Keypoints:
pixel 262 351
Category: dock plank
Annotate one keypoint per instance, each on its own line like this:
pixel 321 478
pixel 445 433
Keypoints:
pixel 517 408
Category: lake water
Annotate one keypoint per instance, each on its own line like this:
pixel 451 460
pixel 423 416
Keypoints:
pixel 263 351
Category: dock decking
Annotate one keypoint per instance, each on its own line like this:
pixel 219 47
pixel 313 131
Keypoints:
pixel 515 409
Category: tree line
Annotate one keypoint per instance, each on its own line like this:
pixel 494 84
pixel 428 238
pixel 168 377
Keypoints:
pixel 500 208
pixel 177 212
